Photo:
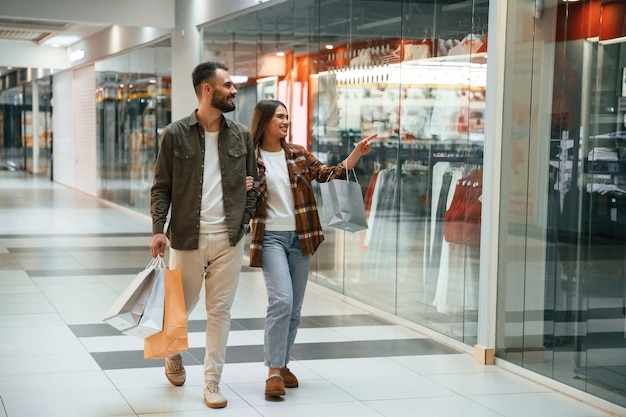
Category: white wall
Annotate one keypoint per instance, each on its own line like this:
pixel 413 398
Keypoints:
pixel 84 118
pixel 63 129
pixel 74 155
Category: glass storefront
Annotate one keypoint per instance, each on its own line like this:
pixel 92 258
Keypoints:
pixel 415 73
pixel 19 123
pixel 562 272
pixel 133 106
pixel 12 151
pixel 38 123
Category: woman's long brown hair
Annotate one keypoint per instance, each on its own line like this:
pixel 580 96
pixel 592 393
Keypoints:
pixel 262 114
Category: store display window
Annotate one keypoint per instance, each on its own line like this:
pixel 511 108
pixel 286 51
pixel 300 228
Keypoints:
pixel 562 275
pixel 415 74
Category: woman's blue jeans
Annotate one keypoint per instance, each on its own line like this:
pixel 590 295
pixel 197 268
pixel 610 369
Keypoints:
pixel 286 272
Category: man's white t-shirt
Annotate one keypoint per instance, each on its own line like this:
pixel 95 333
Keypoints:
pixel 280 206
pixel 212 215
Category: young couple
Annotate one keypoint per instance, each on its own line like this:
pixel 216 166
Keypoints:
pixel 213 176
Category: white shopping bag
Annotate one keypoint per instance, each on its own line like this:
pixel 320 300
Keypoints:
pixel 151 321
pixel 343 204
pixel 127 310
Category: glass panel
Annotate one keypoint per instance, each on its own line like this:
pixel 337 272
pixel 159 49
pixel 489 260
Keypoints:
pixel 12 156
pixel 44 89
pixel 133 106
pixel 441 130
pixel 562 282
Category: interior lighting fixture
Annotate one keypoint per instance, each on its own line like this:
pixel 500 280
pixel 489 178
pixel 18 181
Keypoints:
pixel 329 46
pixel 280 53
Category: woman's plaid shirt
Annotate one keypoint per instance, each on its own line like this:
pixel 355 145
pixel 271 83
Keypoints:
pixel 303 168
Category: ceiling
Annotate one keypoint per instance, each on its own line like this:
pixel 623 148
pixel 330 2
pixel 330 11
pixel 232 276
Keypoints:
pixel 49 32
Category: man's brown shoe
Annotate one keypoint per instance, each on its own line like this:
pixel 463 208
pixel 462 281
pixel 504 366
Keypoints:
pixel 174 370
pixel 290 379
pixel 274 386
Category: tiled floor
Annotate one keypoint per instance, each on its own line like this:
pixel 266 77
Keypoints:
pixel 64 258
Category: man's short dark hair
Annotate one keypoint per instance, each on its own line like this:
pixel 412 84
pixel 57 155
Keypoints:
pixel 205 72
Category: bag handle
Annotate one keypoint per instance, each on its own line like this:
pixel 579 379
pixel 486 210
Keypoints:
pixel 156 262
pixel 347 175
pixel 353 173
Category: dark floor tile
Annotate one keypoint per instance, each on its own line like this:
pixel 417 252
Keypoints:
pixel 255 323
pixel 69 235
pixel 82 271
pixel 124 360
pixel 369 349
pixel 134 359
pixel 34 273
pixel 348 320
pixel 93 330
pixel 302 351
pixel 8 262
pixel 47 250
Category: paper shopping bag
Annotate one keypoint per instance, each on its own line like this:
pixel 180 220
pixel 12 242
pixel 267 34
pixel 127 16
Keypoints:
pixel 151 321
pixel 173 338
pixel 343 205
pixel 126 311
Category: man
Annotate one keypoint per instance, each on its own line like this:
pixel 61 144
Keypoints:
pixel 200 175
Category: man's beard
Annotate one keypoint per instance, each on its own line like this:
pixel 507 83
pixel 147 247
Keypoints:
pixel 222 104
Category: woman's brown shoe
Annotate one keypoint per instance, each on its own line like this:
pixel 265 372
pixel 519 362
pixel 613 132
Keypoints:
pixel 274 386
pixel 290 379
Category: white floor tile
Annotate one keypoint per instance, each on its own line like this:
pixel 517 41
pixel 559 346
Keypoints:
pixel 112 343
pixel 44 363
pixel 378 332
pixel 175 399
pixel 92 404
pixel 65 280
pixel 314 392
pixel 31 297
pixel 86 292
pixel 444 364
pixel 547 404
pixel 56 383
pixel 432 407
pixel 240 338
pixel 330 409
pixel 26 320
pixel 487 383
pixel 25 341
pixel 355 368
pixel 14 277
pixel 37 307
pixel 153 378
pixel 320 335
pixel 404 385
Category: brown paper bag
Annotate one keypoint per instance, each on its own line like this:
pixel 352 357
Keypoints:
pixel 173 338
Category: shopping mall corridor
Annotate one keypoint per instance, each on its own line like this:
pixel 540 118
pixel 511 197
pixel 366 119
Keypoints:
pixel 64 259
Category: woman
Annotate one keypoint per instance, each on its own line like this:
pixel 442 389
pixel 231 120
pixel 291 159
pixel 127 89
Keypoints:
pixel 283 240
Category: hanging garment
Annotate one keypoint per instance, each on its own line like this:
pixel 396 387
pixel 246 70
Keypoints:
pixel 463 219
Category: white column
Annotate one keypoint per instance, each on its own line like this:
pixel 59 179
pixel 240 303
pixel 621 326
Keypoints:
pixel 186 48
pixel 488 285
